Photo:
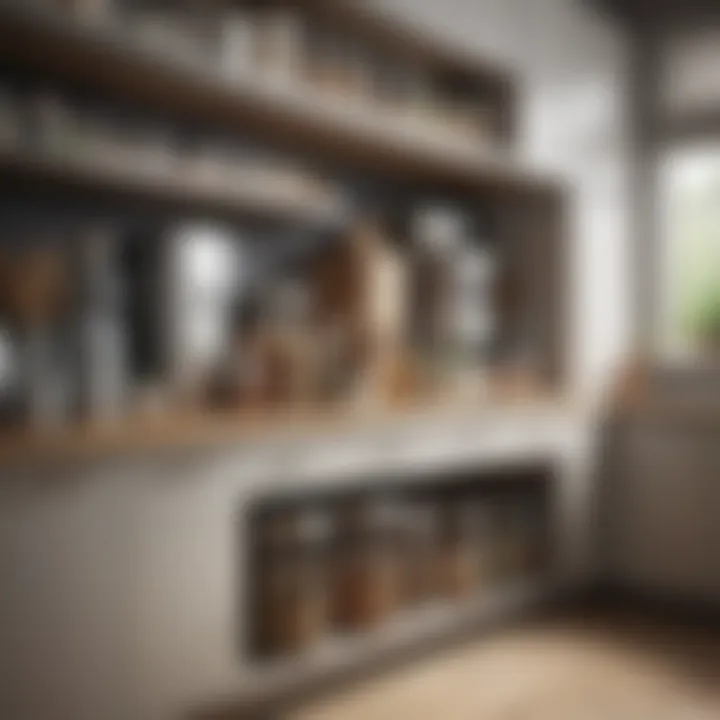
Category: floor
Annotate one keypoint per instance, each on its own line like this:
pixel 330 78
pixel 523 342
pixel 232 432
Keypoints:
pixel 618 667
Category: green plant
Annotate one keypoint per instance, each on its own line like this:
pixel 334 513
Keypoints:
pixel 703 312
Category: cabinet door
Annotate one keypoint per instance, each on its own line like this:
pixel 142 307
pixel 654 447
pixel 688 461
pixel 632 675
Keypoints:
pixel 666 504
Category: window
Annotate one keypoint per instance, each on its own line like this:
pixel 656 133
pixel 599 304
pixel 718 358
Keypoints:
pixel 690 284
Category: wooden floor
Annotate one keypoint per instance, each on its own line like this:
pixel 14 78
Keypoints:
pixel 611 667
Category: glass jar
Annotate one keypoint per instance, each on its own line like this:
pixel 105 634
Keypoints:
pixel 366 563
pixel 419 550
pixel 458 568
pixel 291 580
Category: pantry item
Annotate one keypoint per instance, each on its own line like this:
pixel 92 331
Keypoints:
pixel 339 68
pixel 336 319
pixel 103 333
pixel 458 568
pixel 260 371
pixel 520 537
pixel 385 312
pixel 474 317
pixel 291 597
pixel 289 318
pixel 205 268
pixel 190 36
pixel 280 45
pixel 420 550
pixel 360 306
pixel 366 562
pixel 436 233
pixel 531 533
pixel 36 295
pixel 454 288
pixel 239 35
pixel 487 536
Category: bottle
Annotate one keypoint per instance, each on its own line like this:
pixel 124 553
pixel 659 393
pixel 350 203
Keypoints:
pixel 104 339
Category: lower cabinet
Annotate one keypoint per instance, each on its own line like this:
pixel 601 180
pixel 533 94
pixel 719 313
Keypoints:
pixel 662 513
pixel 347 562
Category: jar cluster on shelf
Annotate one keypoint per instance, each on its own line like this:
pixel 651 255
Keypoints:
pixel 195 316
pixel 52 125
pixel 349 563
pixel 215 214
pixel 298 49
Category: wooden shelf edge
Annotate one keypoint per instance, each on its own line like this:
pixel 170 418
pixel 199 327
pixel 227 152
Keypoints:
pixel 133 437
pixel 62 174
pixel 340 132
pixel 410 39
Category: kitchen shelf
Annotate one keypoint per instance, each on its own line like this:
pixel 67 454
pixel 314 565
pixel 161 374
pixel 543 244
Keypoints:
pixel 410 42
pixel 339 132
pixel 416 46
pixel 526 205
pixel 75 177
pixel 181 432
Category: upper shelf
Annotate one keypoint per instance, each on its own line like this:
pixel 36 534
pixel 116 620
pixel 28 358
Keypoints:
pixel 410 42
pixel 337 132
pixel 70 177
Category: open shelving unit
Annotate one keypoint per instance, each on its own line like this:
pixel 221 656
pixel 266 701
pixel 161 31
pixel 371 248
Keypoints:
pixel 403 159
pixel 70 178
pixel 526 206
pixel 104 60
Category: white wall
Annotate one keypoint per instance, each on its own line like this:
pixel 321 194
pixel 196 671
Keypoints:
pixel 117 588
pixel 572 69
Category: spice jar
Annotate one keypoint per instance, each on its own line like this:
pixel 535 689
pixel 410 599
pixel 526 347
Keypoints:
pixel 532 534
pixel 238 29
pixel 458 560
pixel 365 566
pixel 291 587
pixel 279 45
pixel 485 544
pixel 511 542
pixel 419 550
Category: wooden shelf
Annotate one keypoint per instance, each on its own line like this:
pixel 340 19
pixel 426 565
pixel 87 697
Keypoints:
pixel 136 436
pixel 416 45
pixel 69 177
pixel 341 133
pixel 407 41
pixel 337 132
